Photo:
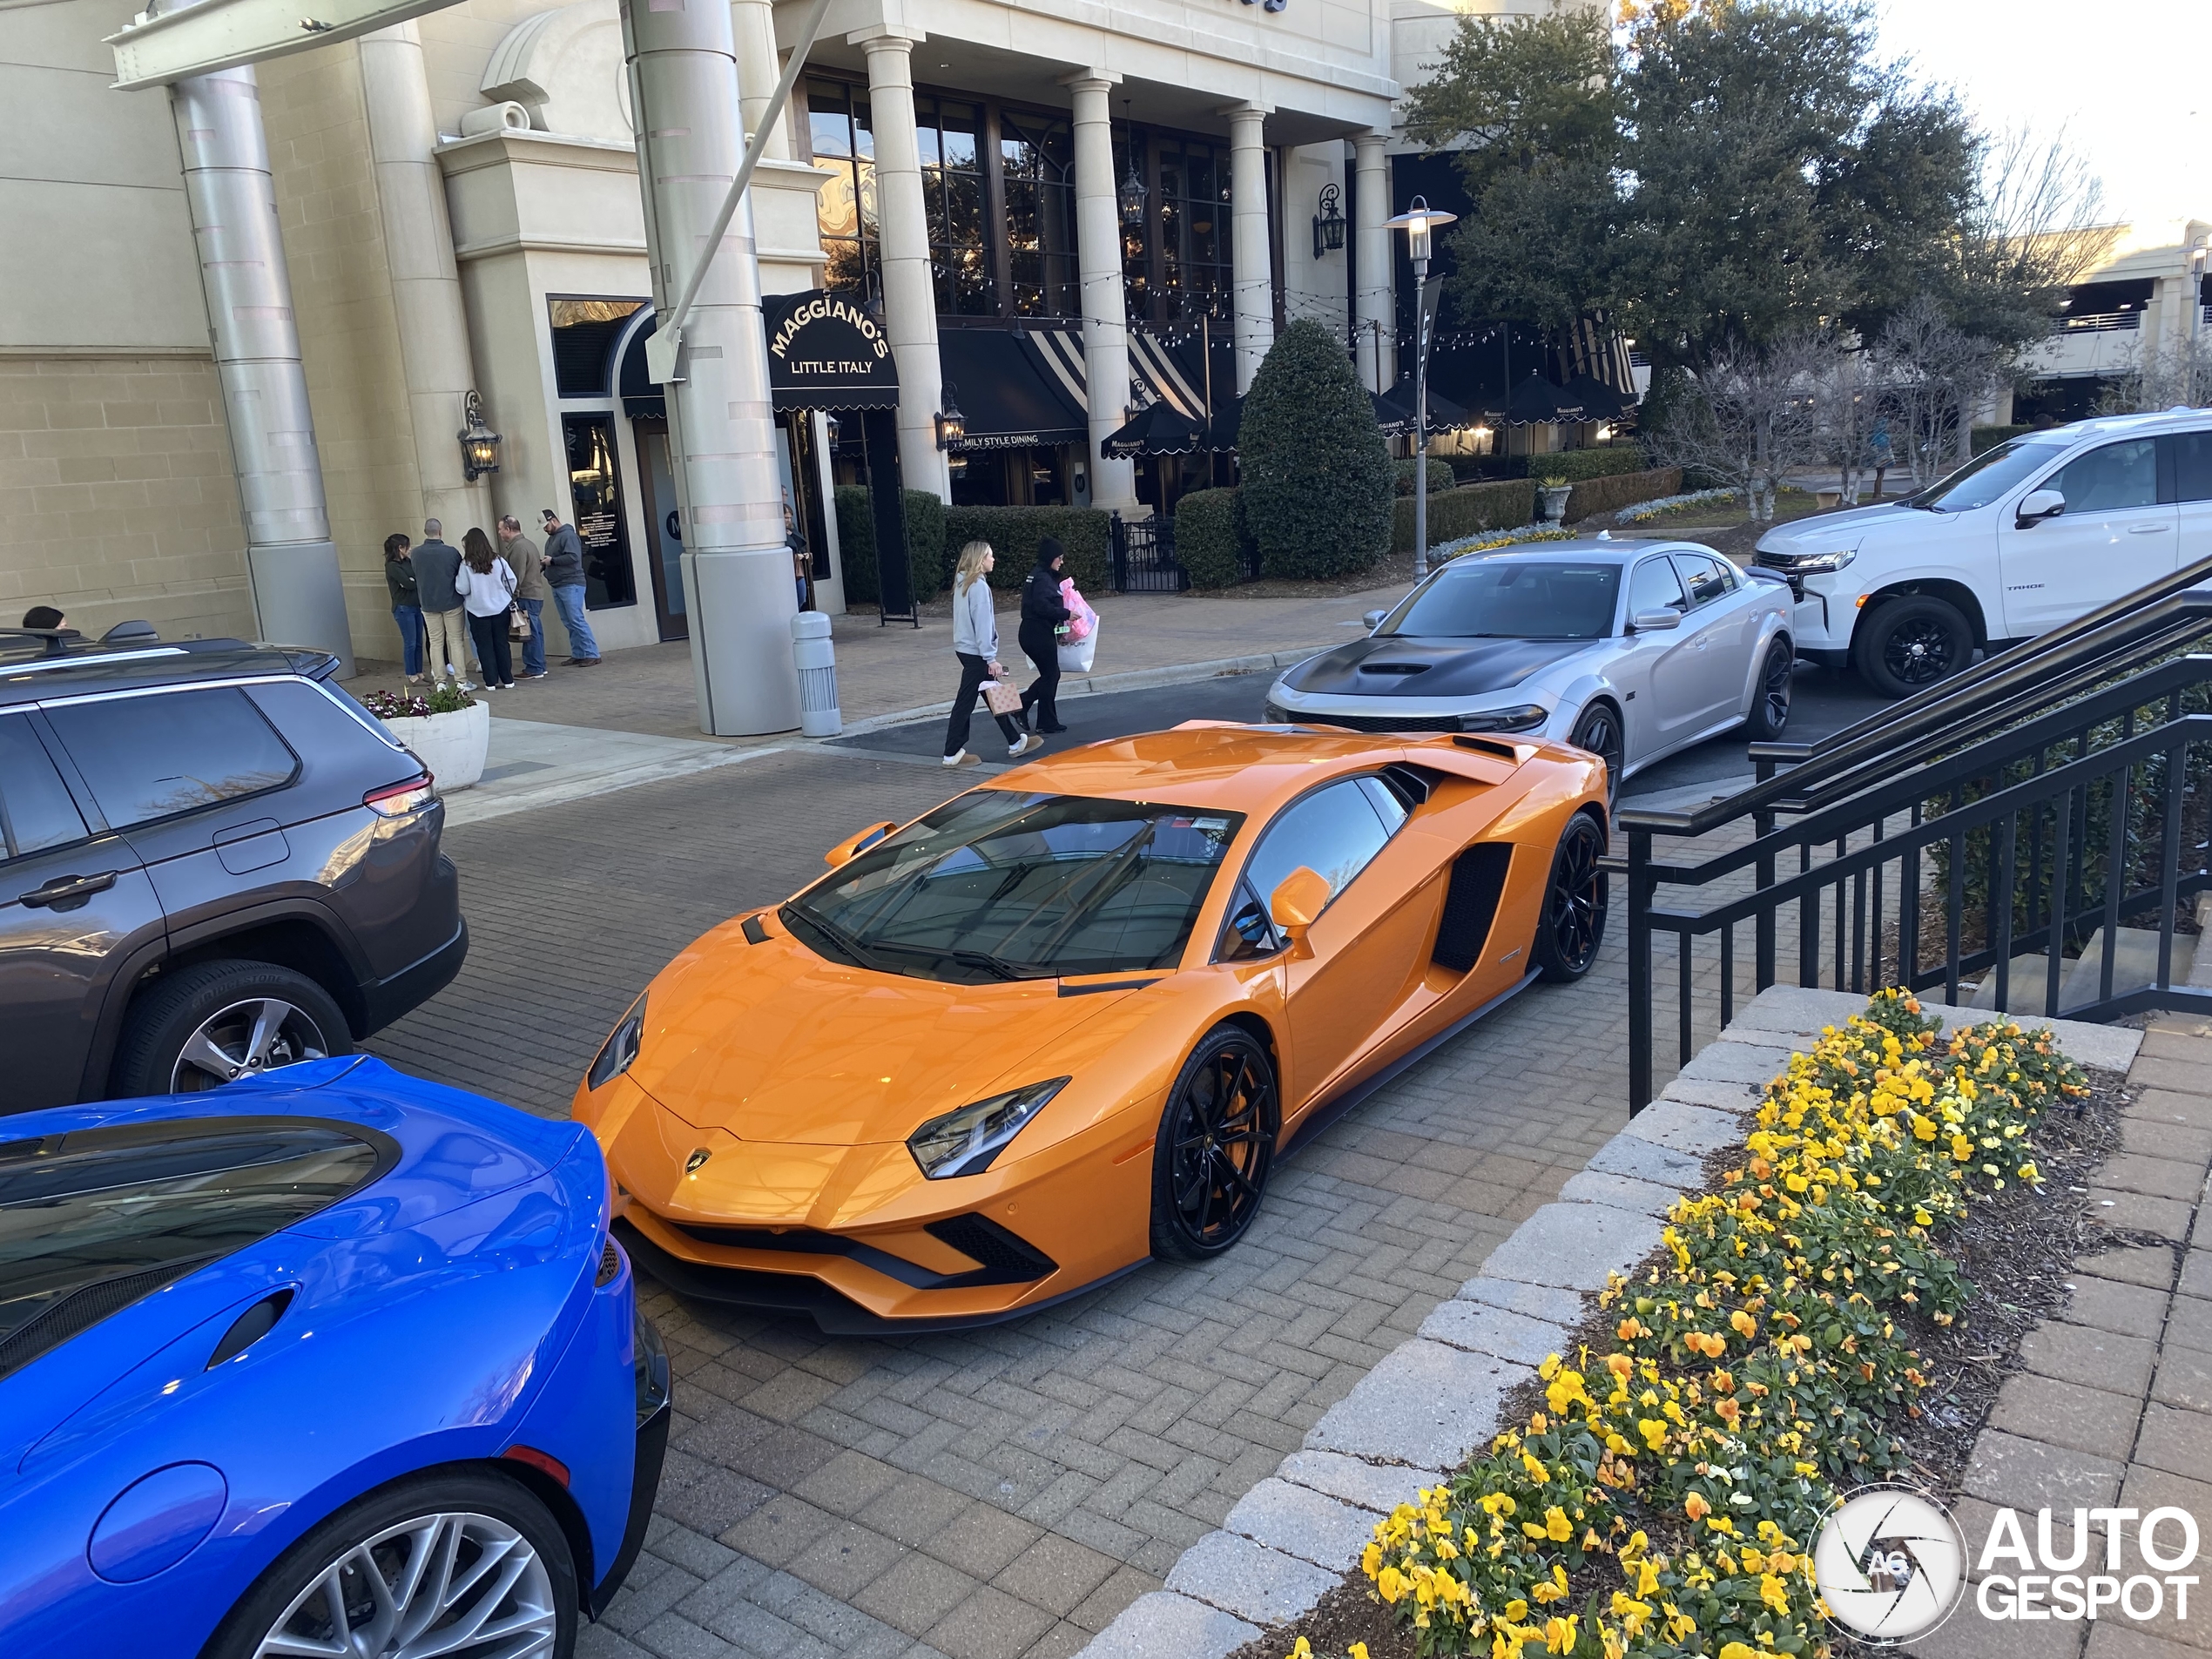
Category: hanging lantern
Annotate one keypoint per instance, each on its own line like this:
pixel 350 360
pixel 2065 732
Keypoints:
pixel 1328 224
pixel 479 443
pixel 1131 193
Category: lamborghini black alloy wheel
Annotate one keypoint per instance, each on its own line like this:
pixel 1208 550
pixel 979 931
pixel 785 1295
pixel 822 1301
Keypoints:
pixel 1217 1145
pixel 1575 903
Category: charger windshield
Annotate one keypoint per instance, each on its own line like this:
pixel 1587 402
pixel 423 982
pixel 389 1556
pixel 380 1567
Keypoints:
pixel 1004 886
pixel 1478 598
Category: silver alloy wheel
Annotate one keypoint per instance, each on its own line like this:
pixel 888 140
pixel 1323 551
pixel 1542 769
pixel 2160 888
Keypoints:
pixel 455 1586
pixel 244 1039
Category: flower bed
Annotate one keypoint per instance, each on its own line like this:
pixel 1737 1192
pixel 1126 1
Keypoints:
pixel 1666 505
pixel 1662 1496
pixel 1500 538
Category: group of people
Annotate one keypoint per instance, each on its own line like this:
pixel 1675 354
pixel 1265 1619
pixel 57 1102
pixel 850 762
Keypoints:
pixel 455 604
pixel 976 642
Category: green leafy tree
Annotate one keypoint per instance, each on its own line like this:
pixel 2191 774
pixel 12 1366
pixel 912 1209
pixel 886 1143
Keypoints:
pixel 1316 479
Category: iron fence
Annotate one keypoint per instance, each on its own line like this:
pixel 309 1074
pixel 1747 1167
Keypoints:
pixel 1145 561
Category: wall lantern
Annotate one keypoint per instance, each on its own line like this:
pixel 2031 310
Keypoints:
pixel 1328 224
pixel 479 443
pixel 952 425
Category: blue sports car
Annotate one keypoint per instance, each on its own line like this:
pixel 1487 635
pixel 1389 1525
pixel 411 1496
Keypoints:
pixel 329 1362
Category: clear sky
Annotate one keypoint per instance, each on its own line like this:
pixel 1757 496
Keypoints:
pixel 2131 81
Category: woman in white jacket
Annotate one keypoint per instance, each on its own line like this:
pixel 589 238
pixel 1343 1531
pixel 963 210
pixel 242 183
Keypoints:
pixel 976 642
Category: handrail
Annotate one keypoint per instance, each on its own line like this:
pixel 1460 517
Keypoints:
pixel 2163 611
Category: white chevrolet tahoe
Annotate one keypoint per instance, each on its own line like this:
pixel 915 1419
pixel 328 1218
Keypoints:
pixel 2026 536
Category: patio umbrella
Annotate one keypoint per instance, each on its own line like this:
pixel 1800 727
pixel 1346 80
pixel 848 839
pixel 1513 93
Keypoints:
pixel 1536 400
pixel 1395 409
pixel 1157 429
pixel 1599 401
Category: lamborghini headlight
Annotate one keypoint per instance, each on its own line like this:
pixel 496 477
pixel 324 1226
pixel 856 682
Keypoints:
pixel 965 1142
pixel 621 1047
pixel 1527 717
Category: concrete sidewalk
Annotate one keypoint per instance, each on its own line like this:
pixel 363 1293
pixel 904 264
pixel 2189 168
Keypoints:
pixel 896 669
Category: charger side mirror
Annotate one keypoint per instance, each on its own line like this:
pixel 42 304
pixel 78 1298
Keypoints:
pixel 853 845
pixel 1372 620
pixel 1655 622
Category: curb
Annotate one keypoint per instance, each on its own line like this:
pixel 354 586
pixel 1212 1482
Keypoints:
pixel 1434 1399
pixel 1135 679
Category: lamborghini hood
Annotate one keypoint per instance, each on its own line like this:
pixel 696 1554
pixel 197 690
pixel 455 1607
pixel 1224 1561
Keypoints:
pixel 772 1043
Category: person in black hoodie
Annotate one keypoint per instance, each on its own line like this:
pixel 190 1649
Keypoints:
pixel 1044 611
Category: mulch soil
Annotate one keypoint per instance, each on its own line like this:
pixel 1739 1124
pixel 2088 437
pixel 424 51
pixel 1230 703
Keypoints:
pixel 2017 1251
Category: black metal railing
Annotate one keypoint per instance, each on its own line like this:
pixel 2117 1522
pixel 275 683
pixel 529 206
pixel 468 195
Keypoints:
pixel 1145 561
pixel 2029 808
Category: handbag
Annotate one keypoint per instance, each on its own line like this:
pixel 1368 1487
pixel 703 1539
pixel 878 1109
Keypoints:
pixel 519 623
pixel 1000 698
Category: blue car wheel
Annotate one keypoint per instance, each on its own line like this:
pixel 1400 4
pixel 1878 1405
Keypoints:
pixel 465 1565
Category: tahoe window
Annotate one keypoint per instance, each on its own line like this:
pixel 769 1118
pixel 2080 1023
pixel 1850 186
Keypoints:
pixel 2110 479
pixel 145 758
pixel 1982 480
pixel 1005 886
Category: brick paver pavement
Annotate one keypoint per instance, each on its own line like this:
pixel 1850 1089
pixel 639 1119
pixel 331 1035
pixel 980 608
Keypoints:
pixel 1005 1492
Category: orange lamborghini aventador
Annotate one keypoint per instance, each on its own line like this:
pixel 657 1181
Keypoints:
pixel 1069 1021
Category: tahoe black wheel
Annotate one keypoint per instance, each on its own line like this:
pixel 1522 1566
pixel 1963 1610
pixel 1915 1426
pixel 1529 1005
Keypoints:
pixel 1770 703
pixel 1573 923
pixel 1906 644
pixel 1217 1145
pixel 1599 731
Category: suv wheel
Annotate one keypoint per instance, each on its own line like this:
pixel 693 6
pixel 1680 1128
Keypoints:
pixel 214 1022
pixel 1907 644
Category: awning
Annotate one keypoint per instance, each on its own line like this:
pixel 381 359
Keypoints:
pixel 640 397
pixel 1014 391
pixel 1395 409
pixel 1157 429
pixel 1536 401
pixel 1599 401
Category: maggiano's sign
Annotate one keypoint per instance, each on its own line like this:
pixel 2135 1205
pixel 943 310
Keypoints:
pixel 827 353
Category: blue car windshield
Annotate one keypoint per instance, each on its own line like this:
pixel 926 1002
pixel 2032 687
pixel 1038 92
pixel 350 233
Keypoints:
pixel 1477 598
pixel 92 1220
pixel 1000 885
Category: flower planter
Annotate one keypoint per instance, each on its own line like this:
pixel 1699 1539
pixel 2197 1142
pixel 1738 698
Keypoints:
pixel 451 746
pixel 1554 499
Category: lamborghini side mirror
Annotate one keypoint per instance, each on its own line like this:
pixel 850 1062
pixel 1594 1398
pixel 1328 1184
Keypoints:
pixel 853 845
pixel 1298 900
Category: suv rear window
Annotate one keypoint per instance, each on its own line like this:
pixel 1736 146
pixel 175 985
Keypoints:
pixel 36 810
pixel 92 1220
pixel 153 756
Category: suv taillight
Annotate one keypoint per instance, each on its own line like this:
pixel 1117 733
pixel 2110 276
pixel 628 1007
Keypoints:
pixel 397 800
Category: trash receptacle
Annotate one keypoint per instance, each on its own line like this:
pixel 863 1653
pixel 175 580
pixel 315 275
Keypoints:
pixel 817 661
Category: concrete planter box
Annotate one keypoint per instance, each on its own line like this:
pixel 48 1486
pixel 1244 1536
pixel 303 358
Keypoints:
pixel 451 746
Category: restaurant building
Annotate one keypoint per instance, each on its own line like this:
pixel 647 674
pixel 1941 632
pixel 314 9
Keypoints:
pixel 1040 217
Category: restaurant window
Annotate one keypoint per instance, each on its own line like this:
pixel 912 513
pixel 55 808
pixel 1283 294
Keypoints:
pixel 1194 265
pixel 950 134
pixel 843 146
pixel 584 331
pixel 1037 166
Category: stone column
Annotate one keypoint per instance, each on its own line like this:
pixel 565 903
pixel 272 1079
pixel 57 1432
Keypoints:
pixel 1373 311
pixel 737 571
pixel 1098 256
pixel 759 65
pixel 291 562
pixel 426 281
pixel 902 225
pixel 1252 267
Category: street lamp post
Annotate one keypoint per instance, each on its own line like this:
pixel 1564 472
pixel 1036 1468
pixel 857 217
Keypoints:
pixel 1419 221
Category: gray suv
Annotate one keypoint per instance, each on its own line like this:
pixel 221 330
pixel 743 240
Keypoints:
pixel 213 862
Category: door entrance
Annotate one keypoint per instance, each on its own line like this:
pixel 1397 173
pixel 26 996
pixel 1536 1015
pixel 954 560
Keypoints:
pixel 663 528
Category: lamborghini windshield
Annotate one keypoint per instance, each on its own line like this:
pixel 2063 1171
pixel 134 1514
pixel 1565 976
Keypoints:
pixel 1478 598
pixel 1005 886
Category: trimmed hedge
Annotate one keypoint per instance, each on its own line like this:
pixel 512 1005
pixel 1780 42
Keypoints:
pixel 1982 438
pixel 1572 466
pixel 1488 468
pixel 1621 489
pixel 1208 538
pixel 1440 476
pixel 1467 510
pixel 1014 533
pixel 1316 472
pixel 926 565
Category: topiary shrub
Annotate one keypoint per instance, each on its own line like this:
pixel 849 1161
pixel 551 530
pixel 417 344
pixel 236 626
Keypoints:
pixel 1572 466
pixel 1505 505
pixel 1014 533
pixel 1440 475
pixel 925 564
pixel 1207 539
pixel 1317 483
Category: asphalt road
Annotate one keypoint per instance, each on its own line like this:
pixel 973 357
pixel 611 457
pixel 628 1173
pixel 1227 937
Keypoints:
pixel 1824 700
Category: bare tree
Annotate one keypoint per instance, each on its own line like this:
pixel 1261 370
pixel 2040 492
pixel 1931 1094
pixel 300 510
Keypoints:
pixel 1935 376
pixel 2032 230
pixel 2177 375
pixel 1848 388
pixel 1752 416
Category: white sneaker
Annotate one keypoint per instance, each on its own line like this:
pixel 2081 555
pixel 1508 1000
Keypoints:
pixel 963 758
pixel 1030 741
pixel 468 685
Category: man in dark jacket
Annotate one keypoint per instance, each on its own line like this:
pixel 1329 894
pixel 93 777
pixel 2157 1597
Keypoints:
pixel 564 570
pixel 1044 611
pixel 444 623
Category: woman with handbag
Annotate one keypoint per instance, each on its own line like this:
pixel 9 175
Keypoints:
pixel 486 584
pixel 976 642
pixel 1045 612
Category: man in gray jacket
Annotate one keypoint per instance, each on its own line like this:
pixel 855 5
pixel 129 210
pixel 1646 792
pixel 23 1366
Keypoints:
pixel 564 570
pixel 444 621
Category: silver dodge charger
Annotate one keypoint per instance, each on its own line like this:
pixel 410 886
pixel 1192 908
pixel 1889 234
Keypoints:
pixel 1631 650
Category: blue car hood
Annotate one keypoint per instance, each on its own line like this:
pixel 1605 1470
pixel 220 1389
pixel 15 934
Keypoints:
pixel 1401 665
